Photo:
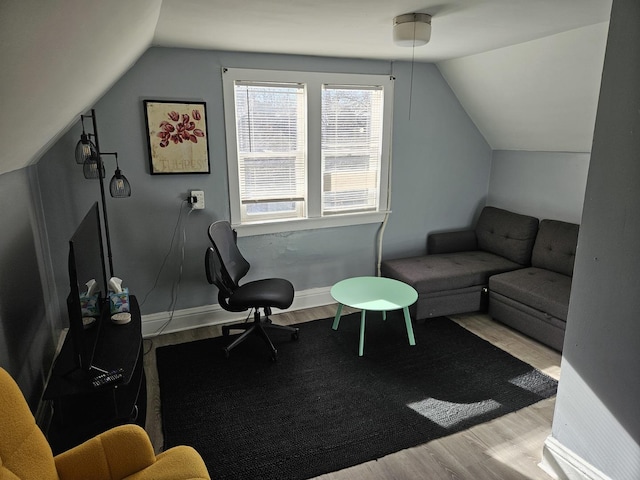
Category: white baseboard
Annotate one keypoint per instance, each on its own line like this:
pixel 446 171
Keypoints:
pixel 208 315
pixel 563 464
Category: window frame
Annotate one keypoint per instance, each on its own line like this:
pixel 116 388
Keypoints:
pixel 313 82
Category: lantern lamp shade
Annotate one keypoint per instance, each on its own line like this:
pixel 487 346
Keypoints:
pixel 85 149
pixel 90 168
pixel 119 186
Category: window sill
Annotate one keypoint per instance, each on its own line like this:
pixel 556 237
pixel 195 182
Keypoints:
pixel 279 226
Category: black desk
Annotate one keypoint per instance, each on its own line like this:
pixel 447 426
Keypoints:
pixel 79 410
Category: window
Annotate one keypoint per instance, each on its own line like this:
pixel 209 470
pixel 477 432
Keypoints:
pixel 306 150
pixel 351 148
pixel 271 150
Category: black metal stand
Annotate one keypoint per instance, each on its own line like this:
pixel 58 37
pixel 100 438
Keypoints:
pixel 102 196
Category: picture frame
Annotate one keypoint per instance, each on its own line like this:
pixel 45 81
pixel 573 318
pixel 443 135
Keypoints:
pixel 177 137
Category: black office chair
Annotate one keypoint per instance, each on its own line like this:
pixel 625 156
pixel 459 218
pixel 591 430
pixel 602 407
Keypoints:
pixel 225 267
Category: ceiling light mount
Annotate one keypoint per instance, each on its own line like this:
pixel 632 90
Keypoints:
pixel 412 29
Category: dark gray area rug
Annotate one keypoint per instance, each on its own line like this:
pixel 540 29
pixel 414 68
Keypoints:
pixel 321 408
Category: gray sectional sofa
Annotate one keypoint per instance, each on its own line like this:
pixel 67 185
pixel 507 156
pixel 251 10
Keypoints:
pixel 512 264
pixel 535 300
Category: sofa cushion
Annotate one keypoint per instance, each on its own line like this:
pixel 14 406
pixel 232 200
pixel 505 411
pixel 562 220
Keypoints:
pixel 510 235
pixel 538 288
pixel 447 271
pixel 448 242
pixel 555 247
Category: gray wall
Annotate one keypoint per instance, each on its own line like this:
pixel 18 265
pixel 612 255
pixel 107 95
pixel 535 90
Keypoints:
pixel 441 162
pixel 441 167
pixel 597 405
pixel 542 184
pixel 26 334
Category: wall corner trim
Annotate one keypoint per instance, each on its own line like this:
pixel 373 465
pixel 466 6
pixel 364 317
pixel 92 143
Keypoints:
pixel 563 464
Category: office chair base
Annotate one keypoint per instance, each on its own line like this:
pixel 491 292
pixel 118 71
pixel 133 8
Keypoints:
pixel 258 326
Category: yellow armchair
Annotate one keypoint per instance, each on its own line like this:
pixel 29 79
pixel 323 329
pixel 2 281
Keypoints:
pixel 124 452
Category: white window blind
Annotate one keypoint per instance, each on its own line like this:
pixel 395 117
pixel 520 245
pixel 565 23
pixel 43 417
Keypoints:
pixel 306 149
pixel 352 118
pixel 271 143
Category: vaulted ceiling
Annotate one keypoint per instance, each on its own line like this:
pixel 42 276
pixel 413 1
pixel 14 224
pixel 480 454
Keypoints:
pixel 527 71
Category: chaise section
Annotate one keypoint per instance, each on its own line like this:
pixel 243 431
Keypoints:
pixel 449 271
pixel 451 278
pixel 447 283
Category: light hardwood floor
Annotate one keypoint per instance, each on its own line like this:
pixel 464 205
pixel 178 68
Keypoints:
pixel 509 447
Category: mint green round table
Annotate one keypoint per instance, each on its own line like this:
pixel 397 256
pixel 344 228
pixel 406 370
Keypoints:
pixel 377 294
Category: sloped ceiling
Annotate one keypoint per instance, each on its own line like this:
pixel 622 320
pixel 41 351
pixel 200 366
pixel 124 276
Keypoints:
pixel 525 70
pixel 58 58
pixel 540 95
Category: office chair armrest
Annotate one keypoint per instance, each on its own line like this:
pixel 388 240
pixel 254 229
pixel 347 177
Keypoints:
pixel 114 454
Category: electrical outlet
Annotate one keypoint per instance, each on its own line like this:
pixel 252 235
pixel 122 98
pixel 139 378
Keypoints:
pixel 196 198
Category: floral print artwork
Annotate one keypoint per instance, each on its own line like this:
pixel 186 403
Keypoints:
pixel 177 137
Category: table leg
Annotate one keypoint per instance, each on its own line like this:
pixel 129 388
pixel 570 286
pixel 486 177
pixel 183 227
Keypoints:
pixel 336 320
pixel 384 315
pixel 407 321
pixel 361 348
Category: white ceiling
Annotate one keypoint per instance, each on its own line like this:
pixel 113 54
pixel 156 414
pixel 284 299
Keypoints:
pixel 363 28
pixel 59 57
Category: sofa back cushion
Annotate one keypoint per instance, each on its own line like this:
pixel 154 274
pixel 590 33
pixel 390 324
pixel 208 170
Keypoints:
pixel 555 247
pixel 510 235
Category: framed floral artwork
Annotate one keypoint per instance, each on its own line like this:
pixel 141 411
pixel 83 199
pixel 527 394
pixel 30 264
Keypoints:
pixel 177 137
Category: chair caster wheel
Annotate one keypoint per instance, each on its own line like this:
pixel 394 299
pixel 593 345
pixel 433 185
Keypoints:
pixel 295 335
pixel 274 356
pixel 226 352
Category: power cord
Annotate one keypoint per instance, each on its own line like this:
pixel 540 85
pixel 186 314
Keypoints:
pixel 164 261
pixel 175 289
pixel 383 225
